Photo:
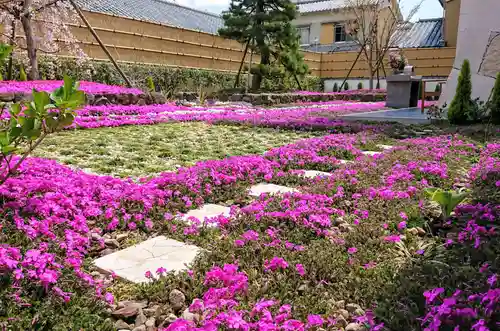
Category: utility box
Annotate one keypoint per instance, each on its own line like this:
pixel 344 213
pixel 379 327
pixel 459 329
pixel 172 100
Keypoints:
pixel 402 91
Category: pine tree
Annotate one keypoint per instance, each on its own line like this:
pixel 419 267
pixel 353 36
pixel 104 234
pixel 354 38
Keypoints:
pixel 495 101
pixel 335 87
pixel 461 105
pixel 346 86
pixel 360 85
pixel 267 26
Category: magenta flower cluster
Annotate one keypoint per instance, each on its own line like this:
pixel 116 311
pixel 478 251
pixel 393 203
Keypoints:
pixel 51 85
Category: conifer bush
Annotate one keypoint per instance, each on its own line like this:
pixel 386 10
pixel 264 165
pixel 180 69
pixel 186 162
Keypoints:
pixel 461 105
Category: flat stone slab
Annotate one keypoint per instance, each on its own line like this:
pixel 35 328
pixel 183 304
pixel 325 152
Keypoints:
pixel 132 263
pixel 404 115
pixel 314 174
pixel 385 146
pixel 258 189
pixel 207 211
pixel 371 153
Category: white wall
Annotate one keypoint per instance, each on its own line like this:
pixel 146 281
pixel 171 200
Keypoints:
pixel 476 24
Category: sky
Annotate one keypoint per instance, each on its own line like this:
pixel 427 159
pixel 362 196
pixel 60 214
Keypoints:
pixel 428 9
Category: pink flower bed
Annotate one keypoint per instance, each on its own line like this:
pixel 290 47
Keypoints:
pixel 349 92
pixel 57 209
pixel 51 85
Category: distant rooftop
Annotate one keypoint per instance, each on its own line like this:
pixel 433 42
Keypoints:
pixel 157 11
pixel 423 33
pixel 319 6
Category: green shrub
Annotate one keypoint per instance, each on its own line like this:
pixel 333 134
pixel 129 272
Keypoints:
pixel 346 86
pixel 360 85
pixel 22 74
pixel 151 84
pixel 495 102
pixel 169 80
pixel 335 87
pixel 461 105
pixel 437 89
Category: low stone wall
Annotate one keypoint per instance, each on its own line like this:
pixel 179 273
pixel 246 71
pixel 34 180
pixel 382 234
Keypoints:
pixel 99 99
pixel 285 98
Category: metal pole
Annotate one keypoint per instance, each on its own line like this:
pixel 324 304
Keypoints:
pixel 129 84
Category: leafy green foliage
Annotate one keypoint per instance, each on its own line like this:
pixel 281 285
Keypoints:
pixel 495 101
pixel 267 26
pixel 29 123
pixel 151 84
pixel 448 200
pixel 5 51
pixel 360 85
pixel 461 105
pixel 22 74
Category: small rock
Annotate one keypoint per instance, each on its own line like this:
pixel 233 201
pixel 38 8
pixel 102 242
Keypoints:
pixel 7 97
pixel 106 251
pixel 359 312
pixel 140 319
pixel 421 232
pixel 354 327
pixel 140 328
pixel 129 309
pixel 302 288
pixel 340 304
pixel 176 299
pixel 413 231
pixel 341 320
pixel 188 316
pixel 344 227
pixel 152 311
pixel 95 236
pixel 121 325
pixel 351 307
pixel 150 322
pixel 158 98
pixel 90 98
pixel 122 236
pixel 107 236
pixel 112 243
pixel 102 101
pixel 339 220
pixel 344 313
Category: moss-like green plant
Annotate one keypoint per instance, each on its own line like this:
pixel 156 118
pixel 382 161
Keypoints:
pixel 346 86
pixel 461 105
pixel 360 85
pixel 335 87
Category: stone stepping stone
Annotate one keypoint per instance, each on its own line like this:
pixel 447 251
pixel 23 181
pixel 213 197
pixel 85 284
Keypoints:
pixel 345 161
pixel 258 189
pixel 314 174
pixel 132 263
pixel 207 211
pixel 370 153
pixel 385 146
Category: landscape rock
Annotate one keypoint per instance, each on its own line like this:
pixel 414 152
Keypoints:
pixel 188 316
pixel 341 320
pixel 158 98
pixel 122 236
pixel 351 307
pixel 7 97
pixel 139 328
pixel 128 309
pixel 112 243
pixel 344 227
pixel 152 311
pixel 150 322
pixel 421 232
pixel 106 251
pixel 121 325
pixel 359 312
pixel 176 299
pixel 102 101
pixel 354 327
pixel 170 318
pixel 140 319
pixel 344 313
pixel 413 231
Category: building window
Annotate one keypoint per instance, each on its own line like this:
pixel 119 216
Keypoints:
pixel 304 34
pixel 340 33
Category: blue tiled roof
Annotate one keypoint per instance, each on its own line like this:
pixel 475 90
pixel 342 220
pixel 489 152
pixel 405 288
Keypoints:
pixel 344 46
pixel 424 33
pixel 157 11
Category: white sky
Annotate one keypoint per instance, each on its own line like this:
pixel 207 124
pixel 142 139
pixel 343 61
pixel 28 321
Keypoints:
pixel 429 8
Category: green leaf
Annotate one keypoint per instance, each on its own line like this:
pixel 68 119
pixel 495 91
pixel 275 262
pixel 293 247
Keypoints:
pixel 40 101
pixel 8 149
pixel 4 138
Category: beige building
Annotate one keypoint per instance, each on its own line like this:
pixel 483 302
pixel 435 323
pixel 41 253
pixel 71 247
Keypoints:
pixel 323 22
